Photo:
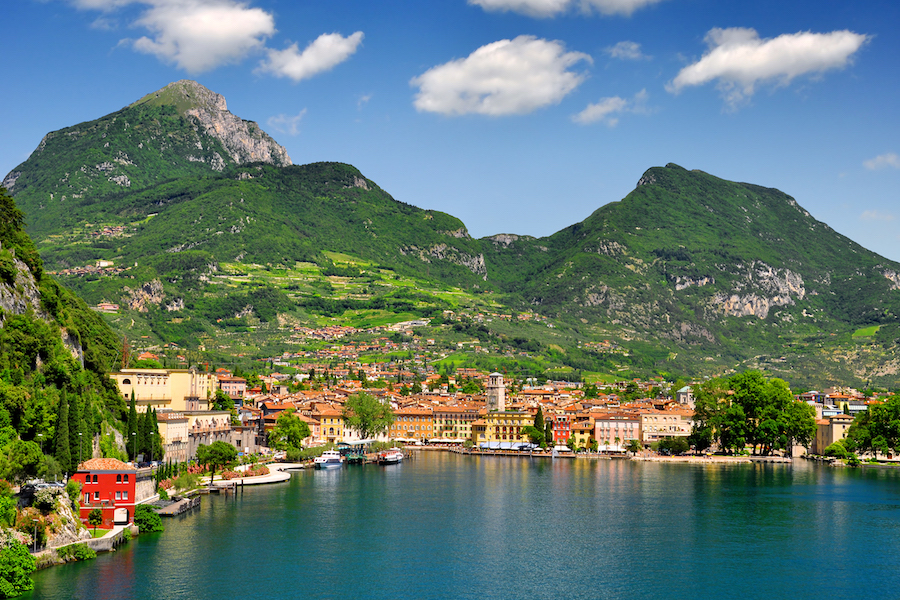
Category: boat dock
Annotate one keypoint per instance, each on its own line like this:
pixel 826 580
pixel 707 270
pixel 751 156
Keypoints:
pixel 180 506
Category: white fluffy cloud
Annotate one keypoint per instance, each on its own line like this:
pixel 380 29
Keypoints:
pixel 326 52
pixel 876 215
pixel 533 8
pixel 626 51
pixel 551 8
pixel 287 124
pixel 199 35
pixel 607 110
pixel 880 162
pixel 740 60
pixel 508 77
pixel 615 7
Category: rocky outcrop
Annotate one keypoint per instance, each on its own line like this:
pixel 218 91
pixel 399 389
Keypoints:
pixel 244 140
pixel 761 288
pixel 473 262
pixel 23 295
pixel 682 283
pixel 141 298
pixel 894 278
pixel 503 239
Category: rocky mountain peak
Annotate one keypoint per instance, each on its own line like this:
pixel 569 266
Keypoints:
pixel 244 140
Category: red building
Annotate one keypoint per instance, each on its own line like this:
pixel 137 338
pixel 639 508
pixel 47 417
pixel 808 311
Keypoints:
pixel 110 485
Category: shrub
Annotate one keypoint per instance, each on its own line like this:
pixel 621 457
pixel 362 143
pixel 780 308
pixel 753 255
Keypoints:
pixel 163 494
pixel 146 519
pixel 16 567
pixel 837 450
pixel 45 498
pixel 187 481
pixel 73 490
pixel 74 552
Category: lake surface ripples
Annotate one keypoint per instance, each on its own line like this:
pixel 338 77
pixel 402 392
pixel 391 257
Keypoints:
pixel 448 526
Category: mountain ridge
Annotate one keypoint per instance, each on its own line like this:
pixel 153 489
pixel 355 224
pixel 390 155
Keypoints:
pixel 686 264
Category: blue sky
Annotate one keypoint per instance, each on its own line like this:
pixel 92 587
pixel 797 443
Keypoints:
pixel 517 116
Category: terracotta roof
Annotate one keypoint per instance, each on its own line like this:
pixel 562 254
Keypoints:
pixel 105 464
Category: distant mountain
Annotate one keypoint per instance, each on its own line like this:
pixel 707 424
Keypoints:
pixel 691 260
pixel 182 130
pixel 690 270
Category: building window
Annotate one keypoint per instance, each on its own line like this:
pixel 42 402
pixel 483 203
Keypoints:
pixel 125 495
pixel 126 477
pixel 96 496
pixel 95 479
pixel 118 478
pixel 118 495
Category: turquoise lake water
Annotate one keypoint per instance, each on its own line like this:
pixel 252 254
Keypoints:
pixel 448 526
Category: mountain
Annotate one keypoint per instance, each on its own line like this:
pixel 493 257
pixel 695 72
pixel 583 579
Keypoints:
pixel 202 226
pixel 183 130
pixel 693 261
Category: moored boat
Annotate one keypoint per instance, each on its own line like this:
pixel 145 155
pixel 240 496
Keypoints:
pixel 390 457
pixel 330 459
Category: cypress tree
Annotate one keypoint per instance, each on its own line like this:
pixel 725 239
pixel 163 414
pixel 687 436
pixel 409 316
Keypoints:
pixel 156 439
pixel 87 426
pixel 75 449
pixel 548 433
pixel 63 453
pixel 539 425
pixel 131 426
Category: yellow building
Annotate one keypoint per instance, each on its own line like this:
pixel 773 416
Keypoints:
pixel 331 424
pixel 176 390
pixel 453 423
pixel 501 426
pixel 412 424
pixel 583 433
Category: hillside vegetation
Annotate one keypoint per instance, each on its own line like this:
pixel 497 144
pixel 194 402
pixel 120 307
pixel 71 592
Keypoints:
pixel 689 273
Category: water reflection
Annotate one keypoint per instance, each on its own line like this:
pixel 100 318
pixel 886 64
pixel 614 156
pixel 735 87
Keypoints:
pixel 447 526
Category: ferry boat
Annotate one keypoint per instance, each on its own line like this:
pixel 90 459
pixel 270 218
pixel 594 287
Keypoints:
pixel 390 457
pixel 330 459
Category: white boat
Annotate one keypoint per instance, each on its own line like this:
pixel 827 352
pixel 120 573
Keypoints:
pixel 390 457
pixel 330 459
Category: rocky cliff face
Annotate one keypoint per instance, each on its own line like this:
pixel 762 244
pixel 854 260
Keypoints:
pixel 244 140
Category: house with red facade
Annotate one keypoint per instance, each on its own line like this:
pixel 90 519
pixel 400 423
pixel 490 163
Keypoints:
pixel 110 485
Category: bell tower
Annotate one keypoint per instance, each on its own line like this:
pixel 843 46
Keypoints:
pixel 496 393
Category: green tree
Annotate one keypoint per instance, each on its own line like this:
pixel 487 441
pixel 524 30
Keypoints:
pixel 548 432
pixel 147 519
pixel 63 447
pixel 289 431
pixel 217 454
pixel 222 401
pixel 95 518
pixel 368 415
pixel 16 567
pixel 131 430
pixel 20 460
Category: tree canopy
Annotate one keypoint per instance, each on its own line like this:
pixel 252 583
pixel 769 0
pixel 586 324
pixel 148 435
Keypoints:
pixel 217 454
pixel 289 432
pixel 878 428
pixel 367 415
pixel 749 410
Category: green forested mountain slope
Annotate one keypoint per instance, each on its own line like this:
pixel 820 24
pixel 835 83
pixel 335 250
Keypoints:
pixel 705 266
pixel 183 130
pixel 688 269
pixel 54 352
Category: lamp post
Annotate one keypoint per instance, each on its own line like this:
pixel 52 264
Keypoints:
pixel 35 535
pixel 79 448
pixel 41 440
pixel 134 445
